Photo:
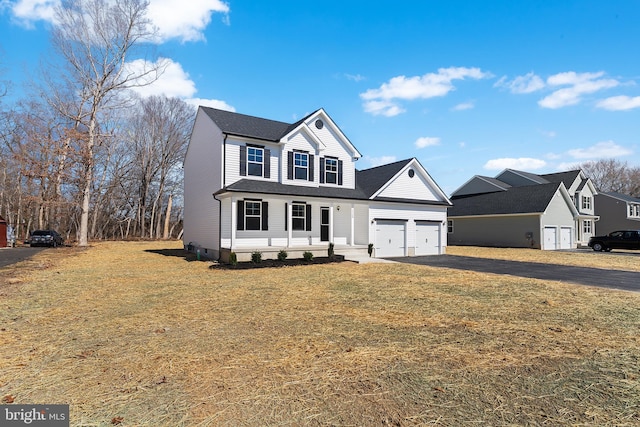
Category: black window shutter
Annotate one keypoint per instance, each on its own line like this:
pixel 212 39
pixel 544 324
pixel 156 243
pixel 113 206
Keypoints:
pixel 339 172
pixel 267 163
pixel 290 164
pixel 240 214
pixel 310 167
pixel 321 170
pixel 243 160
pixel 265 216
pixel 286 215
pixel 308 217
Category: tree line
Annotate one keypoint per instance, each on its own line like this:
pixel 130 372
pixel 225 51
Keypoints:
pixel 82 153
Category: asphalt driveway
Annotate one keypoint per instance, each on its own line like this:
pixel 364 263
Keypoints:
pixel 612 279
pixel 10 256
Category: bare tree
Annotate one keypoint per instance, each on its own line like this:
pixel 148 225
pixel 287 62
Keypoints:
pixel 95 38
pixel 613 175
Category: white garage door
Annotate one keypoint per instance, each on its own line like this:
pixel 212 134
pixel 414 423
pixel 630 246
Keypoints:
pixel 549 238
pixel 427 238
pixel 565 238
pixel 390 240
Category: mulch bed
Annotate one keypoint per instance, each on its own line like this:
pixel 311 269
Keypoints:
pixel 271 263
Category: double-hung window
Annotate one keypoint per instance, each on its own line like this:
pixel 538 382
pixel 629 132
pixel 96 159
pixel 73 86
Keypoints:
pixel 252 215
pixel 255 161
pixel 301 165
pixel 586 226
pixel 298 216
pixel 586 202
pixel 330 170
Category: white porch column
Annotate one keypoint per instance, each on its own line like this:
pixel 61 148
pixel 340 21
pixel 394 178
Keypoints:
pixel 289 223
pixel 234 221
pixel 330 223
pixel 352 225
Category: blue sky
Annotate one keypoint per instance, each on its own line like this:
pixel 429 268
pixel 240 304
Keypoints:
pixel 467 87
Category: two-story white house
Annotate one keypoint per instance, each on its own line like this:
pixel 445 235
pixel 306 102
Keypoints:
pixel 253 184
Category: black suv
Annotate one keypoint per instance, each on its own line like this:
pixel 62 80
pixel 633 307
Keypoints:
pixel 622 239
pixel 45 238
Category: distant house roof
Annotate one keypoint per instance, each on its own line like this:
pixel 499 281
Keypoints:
pixel 243 125
pixel 516 200
pixel 620 196
pixel 567 178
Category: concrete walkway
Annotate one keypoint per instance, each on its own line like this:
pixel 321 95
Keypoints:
pixel 366 259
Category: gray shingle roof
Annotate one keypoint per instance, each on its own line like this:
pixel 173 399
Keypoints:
pixel 372 179
pixel 567 178
pixel 249 126
pixel 516 200
pixel 622 197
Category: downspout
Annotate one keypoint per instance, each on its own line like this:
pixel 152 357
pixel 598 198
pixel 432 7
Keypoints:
pixel 219 224
pixel 224 184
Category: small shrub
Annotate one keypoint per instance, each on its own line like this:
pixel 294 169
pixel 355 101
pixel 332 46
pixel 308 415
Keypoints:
pixel 256 257
pixel 282 255
pixel 233 258
pixel 330 250
pixel 370 248
pixel 308 256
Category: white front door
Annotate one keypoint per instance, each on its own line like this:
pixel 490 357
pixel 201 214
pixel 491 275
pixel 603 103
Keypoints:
pixel 390 238
pixel 427 238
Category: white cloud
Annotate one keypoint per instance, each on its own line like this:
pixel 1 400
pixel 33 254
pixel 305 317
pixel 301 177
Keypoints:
pixel 522 163
pixel 579 84
pixel 28 11
pixel 185 20
pixel 213 103
pixel 173 82
pixel 528 83
pixel 355 77
pixel 619 103
pixel 427 141
pixel 604 149
pixel 377 161
pixel 463 106
pixel 382 101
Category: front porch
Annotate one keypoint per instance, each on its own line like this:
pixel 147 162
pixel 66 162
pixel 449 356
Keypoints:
pixel 293 252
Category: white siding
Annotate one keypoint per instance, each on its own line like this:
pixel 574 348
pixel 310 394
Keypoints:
pixel 202 178
pixel 405 187
pixel 232 161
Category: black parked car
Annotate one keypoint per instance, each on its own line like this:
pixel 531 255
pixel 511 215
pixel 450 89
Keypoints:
pixel 45 238
pixel 622 239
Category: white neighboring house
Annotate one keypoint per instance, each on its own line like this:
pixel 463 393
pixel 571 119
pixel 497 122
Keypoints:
pixel 252 184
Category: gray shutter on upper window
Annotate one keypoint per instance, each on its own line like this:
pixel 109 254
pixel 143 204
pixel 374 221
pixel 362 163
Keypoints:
pixel 290 165
pixel 339 172
pixel 267 163
pixel 322 170
pixel 308 218
pixel 265 216
pixel 311 167
pixel 243 160
pixel 240 214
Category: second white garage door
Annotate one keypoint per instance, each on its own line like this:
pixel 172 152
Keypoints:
pixel 427 238
pixel 390 238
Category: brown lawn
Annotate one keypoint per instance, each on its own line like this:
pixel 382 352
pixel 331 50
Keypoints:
pixel 135 334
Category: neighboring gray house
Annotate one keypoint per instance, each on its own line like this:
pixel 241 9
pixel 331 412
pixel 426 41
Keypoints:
pixel 252 184
pixel 617 212
pixel 521 209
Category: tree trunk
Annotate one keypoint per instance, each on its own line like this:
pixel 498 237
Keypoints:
pixel 167 218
